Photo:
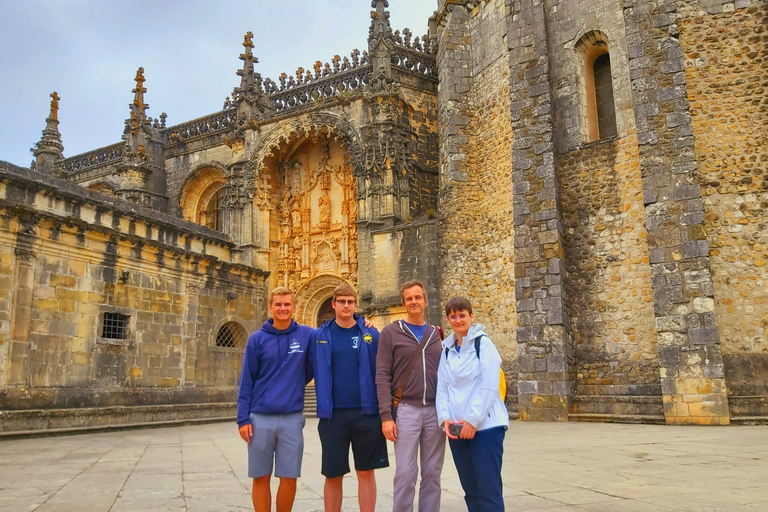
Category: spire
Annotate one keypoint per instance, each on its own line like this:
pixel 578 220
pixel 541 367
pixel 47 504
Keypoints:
pixel 138 107
pixel 379 20
pixel 250 98
pixel 381 42
pixel 49 151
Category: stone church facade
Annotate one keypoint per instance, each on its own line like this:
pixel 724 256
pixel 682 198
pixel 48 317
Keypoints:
pixel 591 174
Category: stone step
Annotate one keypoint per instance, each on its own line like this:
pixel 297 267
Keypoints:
pixel 619 405
pixel 617 418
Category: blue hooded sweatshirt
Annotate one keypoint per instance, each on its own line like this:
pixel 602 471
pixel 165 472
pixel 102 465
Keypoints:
pixel 320 348
pixel 276 368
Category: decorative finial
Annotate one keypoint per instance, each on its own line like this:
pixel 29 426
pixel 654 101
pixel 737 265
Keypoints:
pixel 380 26
pixel 50 151
pixel 250 98
pixel 54 106
pixel 138 107
pixel 248 40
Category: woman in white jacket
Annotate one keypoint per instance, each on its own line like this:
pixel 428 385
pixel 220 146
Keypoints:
pixel 468 399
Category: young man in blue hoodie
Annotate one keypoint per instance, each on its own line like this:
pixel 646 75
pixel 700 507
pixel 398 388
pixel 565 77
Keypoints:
pixel 344 359
pixel 271 402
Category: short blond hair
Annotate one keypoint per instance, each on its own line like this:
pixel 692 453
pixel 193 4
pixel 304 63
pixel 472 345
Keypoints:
pixel 281 290
pixel 344 290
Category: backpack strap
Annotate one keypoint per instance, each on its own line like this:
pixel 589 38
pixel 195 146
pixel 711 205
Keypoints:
pixel 477 345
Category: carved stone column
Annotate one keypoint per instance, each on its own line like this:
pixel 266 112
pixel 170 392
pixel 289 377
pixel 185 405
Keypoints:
pixel 189 335
pixel 21 315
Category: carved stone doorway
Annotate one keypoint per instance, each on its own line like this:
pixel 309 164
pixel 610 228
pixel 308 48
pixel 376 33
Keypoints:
pixel 325 312
pixel 312 297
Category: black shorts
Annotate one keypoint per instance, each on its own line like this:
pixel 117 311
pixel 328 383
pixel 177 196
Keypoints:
pixel 369 448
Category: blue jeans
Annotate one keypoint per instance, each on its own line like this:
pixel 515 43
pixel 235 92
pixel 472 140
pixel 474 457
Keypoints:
pixel 478 462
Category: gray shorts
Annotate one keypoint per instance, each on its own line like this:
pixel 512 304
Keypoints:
pixel 278 436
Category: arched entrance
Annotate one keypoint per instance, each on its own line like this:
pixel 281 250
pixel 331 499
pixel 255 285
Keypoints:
pixel 325 312
pixel 312 299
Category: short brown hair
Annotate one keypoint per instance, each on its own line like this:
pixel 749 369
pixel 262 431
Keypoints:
pixel 411 284
pixel 456 304
pixel 344 290
pixel 281 290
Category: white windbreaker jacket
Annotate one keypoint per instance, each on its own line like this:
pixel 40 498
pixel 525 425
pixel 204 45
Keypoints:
pixel 468 387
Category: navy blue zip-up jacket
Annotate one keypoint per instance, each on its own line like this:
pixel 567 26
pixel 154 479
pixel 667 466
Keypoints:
pixel 320 351
pixel 276 367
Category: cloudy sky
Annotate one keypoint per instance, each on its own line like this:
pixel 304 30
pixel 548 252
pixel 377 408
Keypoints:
pixel 89 50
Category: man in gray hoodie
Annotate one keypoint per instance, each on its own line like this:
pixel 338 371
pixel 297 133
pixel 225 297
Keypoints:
pixel 415 427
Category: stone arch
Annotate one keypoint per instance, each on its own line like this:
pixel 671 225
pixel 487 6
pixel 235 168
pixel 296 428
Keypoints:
pixel 103 188
pixel 310 297
pixel 198 189
pixel 336 127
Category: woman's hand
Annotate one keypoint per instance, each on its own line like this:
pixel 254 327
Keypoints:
pixel 467 431
pixel 446 427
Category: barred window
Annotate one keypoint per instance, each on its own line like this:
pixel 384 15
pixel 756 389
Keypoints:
pixel 231 335
pixel 114 326
pixel 606 114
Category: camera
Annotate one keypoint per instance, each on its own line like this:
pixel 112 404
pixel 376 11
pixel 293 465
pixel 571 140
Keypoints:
pixel 455 429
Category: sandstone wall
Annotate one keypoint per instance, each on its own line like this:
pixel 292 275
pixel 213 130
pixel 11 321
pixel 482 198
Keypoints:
pixel 726 58
pixel 76 256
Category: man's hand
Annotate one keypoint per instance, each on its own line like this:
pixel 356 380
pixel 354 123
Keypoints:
pixel 467 431
pixel 389 429
pixel 246 432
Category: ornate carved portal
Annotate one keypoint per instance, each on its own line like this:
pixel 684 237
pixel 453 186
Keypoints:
pixel 312 228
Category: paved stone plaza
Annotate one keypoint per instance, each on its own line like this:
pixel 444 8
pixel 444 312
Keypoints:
pixel 547 466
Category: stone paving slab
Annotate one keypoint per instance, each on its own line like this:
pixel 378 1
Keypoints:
pixel 550 467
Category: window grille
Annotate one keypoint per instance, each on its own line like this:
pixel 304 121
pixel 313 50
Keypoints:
pixel 231 335
pixel 606 115
pixel 114 326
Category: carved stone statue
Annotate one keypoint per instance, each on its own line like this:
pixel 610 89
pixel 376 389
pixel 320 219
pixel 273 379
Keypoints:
pixel 55 106
pixel 324 204
pixel 296 216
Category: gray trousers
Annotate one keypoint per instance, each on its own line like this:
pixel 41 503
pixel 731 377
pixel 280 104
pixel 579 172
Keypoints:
pixel 418 435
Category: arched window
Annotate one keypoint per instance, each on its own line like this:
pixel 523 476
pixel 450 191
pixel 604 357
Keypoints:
pixel 202 197
pixel 604 109
pixel 102 188
pixel 210 216
pixel 598 113
pixel 231 335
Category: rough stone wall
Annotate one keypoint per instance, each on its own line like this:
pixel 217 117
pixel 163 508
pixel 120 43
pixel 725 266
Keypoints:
pixel 726 58
pixel 690 357
pixel 478 233
pixel 609 277
pixel 78 256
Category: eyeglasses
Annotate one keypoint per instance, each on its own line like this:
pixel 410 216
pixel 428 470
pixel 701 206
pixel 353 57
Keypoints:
pixel 343 302
pixel 462 316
